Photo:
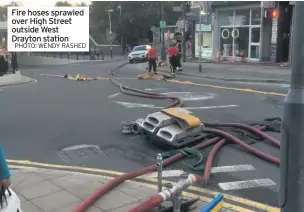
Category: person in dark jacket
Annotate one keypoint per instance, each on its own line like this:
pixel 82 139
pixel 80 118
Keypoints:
pixel 3 62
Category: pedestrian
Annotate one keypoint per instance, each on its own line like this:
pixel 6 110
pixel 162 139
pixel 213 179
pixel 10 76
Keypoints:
pixel 3 62
pixel 4 170
pixel 152 58
pixel 172 53
pixel 14 64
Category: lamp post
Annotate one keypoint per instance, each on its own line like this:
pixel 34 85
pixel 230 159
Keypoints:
pixel 200 40
pixel 110 26
pixel 121 39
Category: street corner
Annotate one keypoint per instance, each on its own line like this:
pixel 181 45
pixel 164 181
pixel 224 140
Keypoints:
pixel 15 79
pixel 39 185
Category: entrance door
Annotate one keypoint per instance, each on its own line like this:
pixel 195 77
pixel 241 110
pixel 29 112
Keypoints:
pixel 254 42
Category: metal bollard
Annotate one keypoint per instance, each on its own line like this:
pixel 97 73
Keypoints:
pixel 159 171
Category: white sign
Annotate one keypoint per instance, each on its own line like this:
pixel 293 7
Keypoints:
pixel 48 29
pixel 268 4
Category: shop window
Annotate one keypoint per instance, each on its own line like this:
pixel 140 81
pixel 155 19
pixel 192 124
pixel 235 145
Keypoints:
pixel 242 17
pixel 241 38
pixel 256 17
pixel 226 18
pixel 255 52
pixel 255 35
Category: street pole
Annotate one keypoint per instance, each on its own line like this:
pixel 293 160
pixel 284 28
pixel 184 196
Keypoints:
pixel 184 33
pixel 163 33
pixel 121 38
pixel 110 24
pixel 233 35
pixel 292 145
pixel 200 40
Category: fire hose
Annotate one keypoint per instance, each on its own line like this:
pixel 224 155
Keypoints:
pixel 157 199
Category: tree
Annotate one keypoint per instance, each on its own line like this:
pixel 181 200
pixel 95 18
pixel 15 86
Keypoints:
pixel 136 18
pixel 3 9
pixel 63 4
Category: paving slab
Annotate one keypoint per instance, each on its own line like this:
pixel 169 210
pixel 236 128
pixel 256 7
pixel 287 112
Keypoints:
pixel 45 190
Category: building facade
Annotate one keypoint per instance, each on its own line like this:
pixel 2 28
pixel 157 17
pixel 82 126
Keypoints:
pixel 257 31
pixel 253 30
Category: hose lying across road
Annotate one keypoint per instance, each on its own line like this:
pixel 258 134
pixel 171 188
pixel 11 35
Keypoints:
pixel 205 177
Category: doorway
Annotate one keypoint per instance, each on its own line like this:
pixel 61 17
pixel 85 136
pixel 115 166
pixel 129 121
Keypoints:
pixel 284 31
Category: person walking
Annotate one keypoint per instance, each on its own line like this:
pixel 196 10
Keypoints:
pixel 3 62
pixel 152 58
pixel 172 53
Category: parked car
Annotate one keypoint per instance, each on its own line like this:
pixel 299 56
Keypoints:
pixel 139 53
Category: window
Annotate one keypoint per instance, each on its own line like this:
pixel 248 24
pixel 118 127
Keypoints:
pixel 226 18
pixel 245 32
pixel 242 17
pixel 140 48
pixel 255 35
pixel 256 17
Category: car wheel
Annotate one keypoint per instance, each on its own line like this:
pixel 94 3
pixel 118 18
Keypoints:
pixel 131 61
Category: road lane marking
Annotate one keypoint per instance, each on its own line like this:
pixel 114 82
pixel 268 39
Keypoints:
pixel 241 200
pixel 187 194
pixel 155 89
pixel 114 95
pixel 238 185
pixel 166 173
pixel 218 169
pixel 138 105
pixel 247 90
pixel 236 168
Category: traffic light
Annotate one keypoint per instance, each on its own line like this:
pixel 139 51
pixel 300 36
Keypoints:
pixel 270 14
pixel 275 13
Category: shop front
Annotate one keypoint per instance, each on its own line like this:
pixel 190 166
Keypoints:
pixel 203 40
pixel 237 31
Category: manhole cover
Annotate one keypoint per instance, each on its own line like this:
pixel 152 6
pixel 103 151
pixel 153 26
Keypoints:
pixel 79 152
pixel 191 96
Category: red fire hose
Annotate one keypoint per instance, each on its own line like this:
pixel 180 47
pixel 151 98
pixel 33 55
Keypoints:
pixel 246 127
pixel 158 198
pixel 118 180
pixel 211 155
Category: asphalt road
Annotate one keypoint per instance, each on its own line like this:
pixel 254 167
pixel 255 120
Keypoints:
pixel 40 119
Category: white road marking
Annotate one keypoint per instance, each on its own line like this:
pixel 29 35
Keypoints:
pixel 155 89
pixel 191 96
pixel 219 169
pixel 168 173
pixel 236 168
pixel 138 105
pixel 113 95
pixel 285 86
pixel 238 185
pixel 134 105
pixel 51 75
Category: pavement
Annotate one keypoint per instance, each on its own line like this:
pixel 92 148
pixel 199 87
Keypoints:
pixel 77 124
pixel 239 72
pixel 49 190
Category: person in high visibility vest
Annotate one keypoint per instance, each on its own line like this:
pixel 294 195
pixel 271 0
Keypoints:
pixel 152 58
pixel 172 53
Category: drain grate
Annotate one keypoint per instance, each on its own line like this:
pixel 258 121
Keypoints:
pixel 79 152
